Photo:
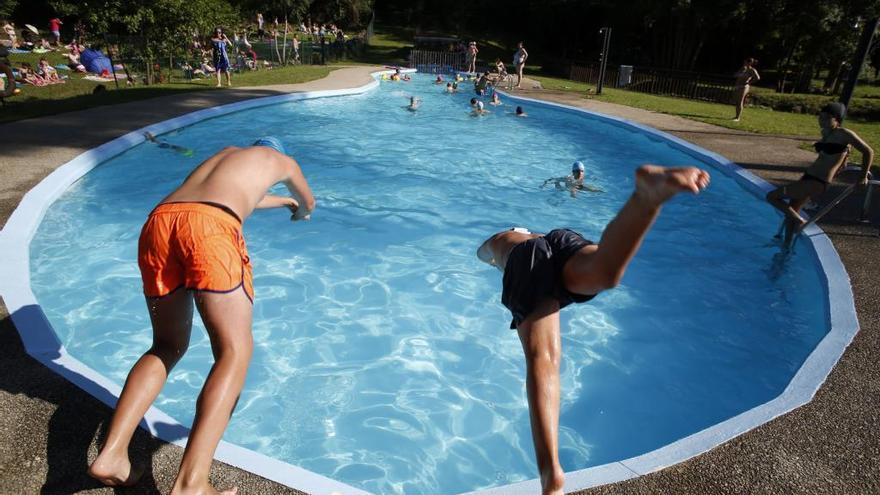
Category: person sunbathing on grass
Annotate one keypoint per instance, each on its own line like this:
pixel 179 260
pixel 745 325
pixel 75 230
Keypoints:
pixel 192 252
pixel 543 273
pixel 832 152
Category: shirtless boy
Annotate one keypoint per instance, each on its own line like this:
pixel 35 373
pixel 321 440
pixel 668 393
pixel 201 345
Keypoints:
pixel 191 248
pixel 832 152
pixel 545 273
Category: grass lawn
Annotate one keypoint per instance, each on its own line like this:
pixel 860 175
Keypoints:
pixel 758 120
pixel 76 93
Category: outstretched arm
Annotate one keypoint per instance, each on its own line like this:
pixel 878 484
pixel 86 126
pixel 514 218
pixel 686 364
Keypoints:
pixel 270 201
pixel 299 188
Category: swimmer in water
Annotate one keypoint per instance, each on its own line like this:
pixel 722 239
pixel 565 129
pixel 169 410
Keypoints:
pixel 478 108
pixel 414 104
pixel 543 273
pixel 574 182
pixel 449 88
pixel 439 80
pixel 166 145
pixel 495 99
pixel 520 112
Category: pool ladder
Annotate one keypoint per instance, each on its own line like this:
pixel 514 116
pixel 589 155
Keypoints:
pixel 866 205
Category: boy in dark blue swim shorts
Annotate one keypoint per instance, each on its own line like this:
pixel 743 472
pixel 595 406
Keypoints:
pixel 543 273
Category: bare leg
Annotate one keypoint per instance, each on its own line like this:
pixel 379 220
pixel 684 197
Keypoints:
pixel 539 334
pixel 228 78
pixel 596 268
pixel 519 75
pixel 740 103
pixel 228 320
pixel 171 317
pixel 219 80
pixel 790 198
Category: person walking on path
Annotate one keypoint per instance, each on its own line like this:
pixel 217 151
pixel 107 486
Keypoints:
pixel 543 273
pixel 744 77
pixel 519 61
pixel 191 250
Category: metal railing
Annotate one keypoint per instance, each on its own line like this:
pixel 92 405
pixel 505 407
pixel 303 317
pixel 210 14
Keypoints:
pixel 691 85
pixel 437 62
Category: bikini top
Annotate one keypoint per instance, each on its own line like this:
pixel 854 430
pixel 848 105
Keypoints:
pixel 830 148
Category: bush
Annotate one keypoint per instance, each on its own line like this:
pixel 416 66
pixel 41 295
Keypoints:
pixel 861 108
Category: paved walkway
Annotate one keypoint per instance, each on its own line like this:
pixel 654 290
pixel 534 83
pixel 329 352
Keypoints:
pixel 48 428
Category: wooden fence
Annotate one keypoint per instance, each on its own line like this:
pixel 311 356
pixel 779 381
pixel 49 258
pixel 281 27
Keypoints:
pixel 691 85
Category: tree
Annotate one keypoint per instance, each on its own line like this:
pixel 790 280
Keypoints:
pixel 155 28
pixel 7 7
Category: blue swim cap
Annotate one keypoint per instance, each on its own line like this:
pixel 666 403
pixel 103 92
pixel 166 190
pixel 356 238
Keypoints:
pixel 271 142
pixel 577 166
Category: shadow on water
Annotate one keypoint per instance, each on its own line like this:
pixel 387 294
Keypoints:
pixel 71 429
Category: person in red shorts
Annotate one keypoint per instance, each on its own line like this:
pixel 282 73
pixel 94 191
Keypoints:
pixel 192 250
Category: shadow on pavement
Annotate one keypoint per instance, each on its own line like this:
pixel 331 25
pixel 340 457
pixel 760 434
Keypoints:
pixel 68 442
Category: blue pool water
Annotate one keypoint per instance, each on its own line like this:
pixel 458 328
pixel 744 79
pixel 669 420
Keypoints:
pixel 383 357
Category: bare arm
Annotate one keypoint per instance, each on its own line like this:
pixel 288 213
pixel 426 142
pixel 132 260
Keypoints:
pixel 866 151
pixel 299 188
pixel 755 74
pixel 270 201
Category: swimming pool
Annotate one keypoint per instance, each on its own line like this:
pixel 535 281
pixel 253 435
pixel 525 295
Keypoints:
pixel 383 358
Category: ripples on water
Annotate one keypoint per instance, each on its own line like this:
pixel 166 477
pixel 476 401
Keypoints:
pixel 382 353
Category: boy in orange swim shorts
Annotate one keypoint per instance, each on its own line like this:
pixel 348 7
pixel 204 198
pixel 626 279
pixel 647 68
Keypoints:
pixel 192 252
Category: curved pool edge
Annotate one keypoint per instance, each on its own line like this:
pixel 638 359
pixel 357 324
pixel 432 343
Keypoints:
pixel 41 343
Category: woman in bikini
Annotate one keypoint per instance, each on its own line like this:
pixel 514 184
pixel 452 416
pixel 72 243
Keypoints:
pixel 744 78
pixel 833 150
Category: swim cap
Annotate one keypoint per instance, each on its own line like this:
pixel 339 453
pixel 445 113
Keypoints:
pixel 270 142
pixel 836 110
pixel 577 166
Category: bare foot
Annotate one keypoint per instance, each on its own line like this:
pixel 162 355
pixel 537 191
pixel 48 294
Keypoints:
pixel 115 471
pixel 206 489
pixel 656 184
pixel 553 483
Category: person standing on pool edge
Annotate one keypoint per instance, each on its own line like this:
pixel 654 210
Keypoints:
pixel 545 273
pixel 193 241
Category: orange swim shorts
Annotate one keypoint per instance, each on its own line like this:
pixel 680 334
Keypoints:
pixel 193 245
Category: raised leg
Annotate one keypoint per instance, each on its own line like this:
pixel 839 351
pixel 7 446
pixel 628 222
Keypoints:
pixel 596 268
pixel 171 317
pixel 228 320
pixel 539 334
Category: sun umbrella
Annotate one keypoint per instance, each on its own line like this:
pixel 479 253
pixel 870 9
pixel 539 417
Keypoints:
pixel 32 28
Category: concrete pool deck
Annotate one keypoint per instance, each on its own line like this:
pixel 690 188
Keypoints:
pixel 832 445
